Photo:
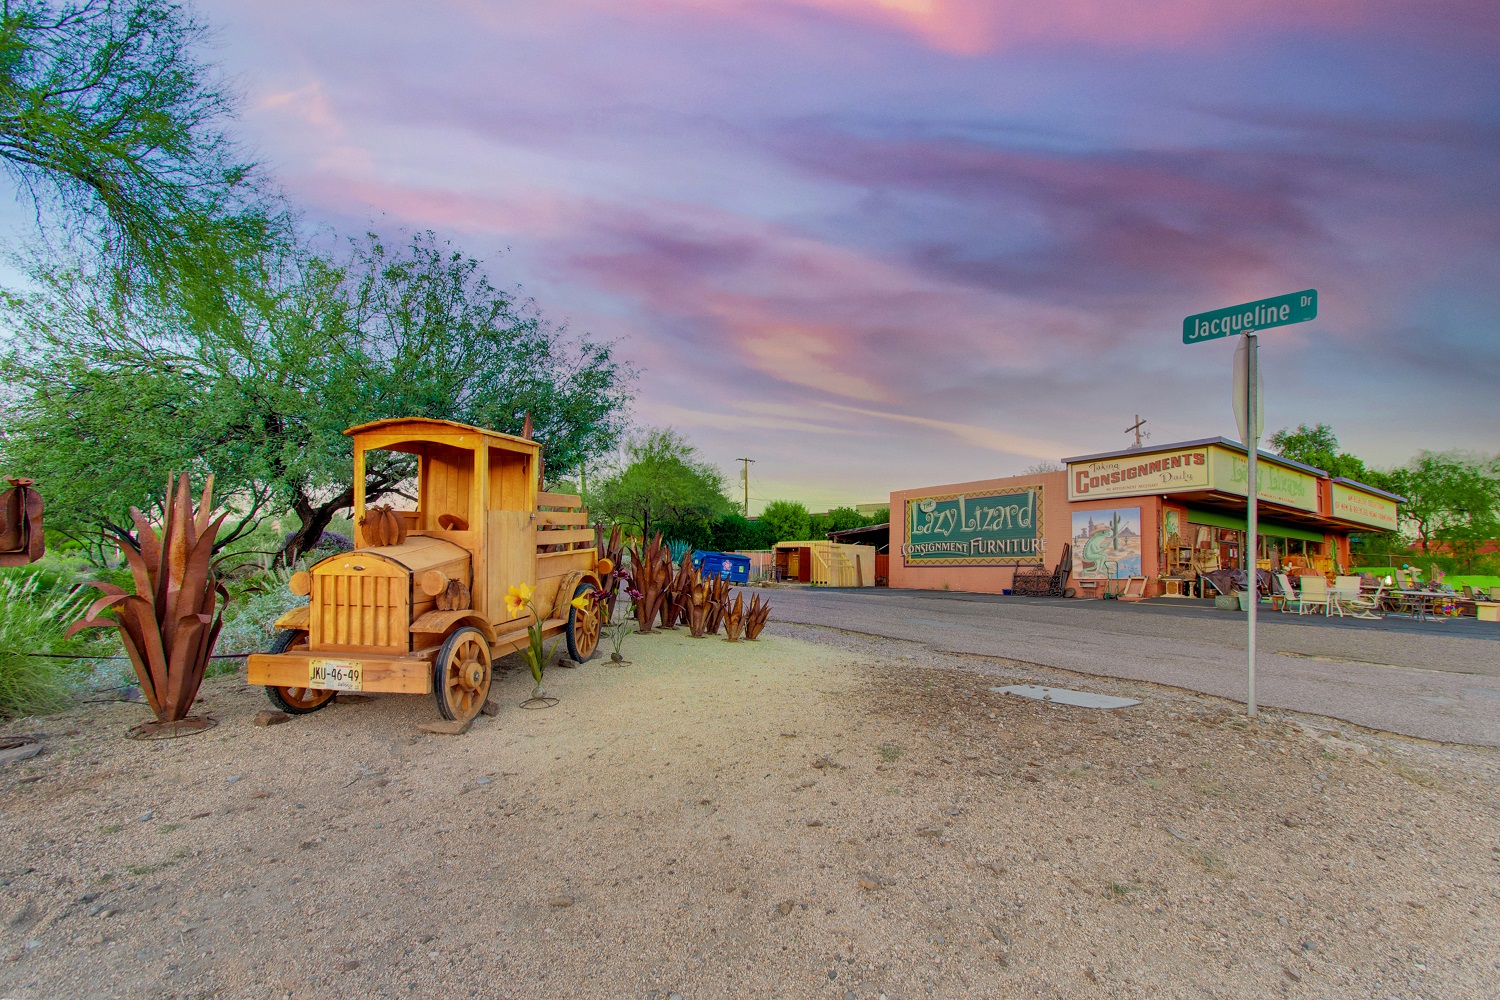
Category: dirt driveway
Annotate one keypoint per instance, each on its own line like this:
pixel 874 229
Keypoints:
pixel 841 817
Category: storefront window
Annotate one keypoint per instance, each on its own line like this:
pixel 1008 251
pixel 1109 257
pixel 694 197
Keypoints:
pixel 1282 552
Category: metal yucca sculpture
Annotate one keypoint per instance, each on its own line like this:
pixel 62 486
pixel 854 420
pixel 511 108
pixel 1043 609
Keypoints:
pixel 611 551
pixel 679 594
pixel 697 609
pixel 651 570
pixel 734 618
pixel 718 602
pixel 170 624
pixel 756 616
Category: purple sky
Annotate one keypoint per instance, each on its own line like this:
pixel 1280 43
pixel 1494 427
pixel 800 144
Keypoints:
pixel 878 244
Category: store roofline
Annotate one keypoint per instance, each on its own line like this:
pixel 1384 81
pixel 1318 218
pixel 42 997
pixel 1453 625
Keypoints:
pixel 1200 442
pixel 1370 489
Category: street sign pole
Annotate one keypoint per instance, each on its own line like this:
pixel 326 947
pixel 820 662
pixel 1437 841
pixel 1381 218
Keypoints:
pixel 1252 491
pixel 1246 320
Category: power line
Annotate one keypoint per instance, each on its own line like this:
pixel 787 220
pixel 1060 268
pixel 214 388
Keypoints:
pixel 745 478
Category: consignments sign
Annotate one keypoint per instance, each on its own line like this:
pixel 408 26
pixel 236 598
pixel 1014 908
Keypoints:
pixel 990 528
pixel 1139 474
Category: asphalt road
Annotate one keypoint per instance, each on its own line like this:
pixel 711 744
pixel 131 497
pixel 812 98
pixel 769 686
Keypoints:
pixel 1432 680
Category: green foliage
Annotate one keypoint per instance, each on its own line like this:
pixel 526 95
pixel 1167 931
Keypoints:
pixel 881 516
pixel 256 600
pixel 33 614
pixel 786 521
pixel 106 114
pixel 1318 446
pixel 1453 499
pixel 258 385
pixel 734 533
pixel 658 481
pixel 838 519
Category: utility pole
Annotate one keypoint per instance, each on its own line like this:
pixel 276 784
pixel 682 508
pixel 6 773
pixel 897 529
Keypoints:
pixel 1139 423
pixel 745 479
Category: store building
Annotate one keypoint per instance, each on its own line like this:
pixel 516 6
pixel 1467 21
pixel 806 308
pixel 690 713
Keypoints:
pixel 1140 521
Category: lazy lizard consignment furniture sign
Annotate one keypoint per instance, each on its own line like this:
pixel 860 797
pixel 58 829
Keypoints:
pixel 987 528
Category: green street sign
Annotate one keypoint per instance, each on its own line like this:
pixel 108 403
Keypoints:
pixel 1283 310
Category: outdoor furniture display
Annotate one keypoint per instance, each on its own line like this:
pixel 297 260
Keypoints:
pixel 1231 581
pixel 1036 581
pixel 1290 599
pixel 1345 599
pixel 1314 594
pixel 1221 580
pixel 1423 605
pixel 1487 611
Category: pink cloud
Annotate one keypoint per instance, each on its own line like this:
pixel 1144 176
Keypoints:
pixel 970 27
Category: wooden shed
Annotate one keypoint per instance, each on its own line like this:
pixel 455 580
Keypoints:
pixel 828 564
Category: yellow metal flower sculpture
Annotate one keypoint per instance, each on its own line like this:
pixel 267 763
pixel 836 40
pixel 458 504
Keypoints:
pixel 536 654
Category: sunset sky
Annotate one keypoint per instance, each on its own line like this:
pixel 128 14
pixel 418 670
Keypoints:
pixel 879 244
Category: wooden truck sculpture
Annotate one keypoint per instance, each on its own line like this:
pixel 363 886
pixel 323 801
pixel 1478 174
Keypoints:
pixel 419 606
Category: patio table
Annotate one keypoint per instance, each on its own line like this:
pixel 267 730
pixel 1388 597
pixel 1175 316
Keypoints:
pixel 1420 604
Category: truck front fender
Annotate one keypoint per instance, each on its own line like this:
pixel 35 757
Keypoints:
pixel 443 622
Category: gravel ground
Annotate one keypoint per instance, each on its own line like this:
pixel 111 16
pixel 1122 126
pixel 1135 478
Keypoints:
pixel 816 815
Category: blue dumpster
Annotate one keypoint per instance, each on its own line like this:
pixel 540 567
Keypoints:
pixel 731 567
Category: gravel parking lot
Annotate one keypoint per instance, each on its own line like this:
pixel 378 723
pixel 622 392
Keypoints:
pixel 818 815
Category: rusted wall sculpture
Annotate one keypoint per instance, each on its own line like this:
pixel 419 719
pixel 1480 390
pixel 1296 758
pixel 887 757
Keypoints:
pixel 21 537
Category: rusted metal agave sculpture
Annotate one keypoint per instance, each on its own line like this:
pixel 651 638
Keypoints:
pixel 679 595
pixel 170 624
pixel 734 618
pixel 698 609
pixel 21 538
pixel 756 616
pixel 651 571
pixel 611 552
pixel 718 602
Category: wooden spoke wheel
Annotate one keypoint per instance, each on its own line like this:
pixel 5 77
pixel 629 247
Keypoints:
pixel 461 674
pixel 296 700
pixel 584 626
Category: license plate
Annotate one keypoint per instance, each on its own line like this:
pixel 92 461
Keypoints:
pixel 335 675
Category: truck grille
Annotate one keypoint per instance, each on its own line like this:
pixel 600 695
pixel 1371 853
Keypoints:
pixel 355 609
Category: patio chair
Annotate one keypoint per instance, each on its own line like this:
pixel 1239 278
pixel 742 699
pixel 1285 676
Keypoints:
pixel 1291 600
pixel 1314 594
pixel 1345 599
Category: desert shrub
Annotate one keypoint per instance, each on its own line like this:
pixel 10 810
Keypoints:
pixel 255 602
pixel 34 612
